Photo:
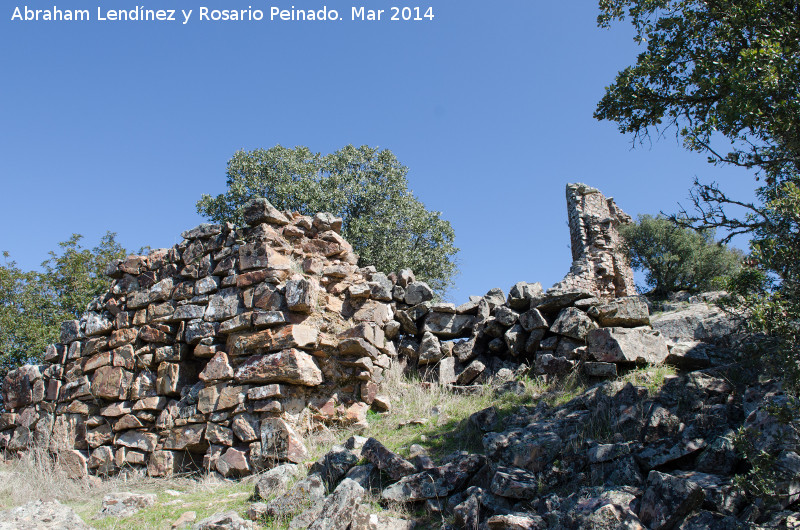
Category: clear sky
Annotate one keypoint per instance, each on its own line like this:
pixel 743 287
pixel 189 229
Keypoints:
pixel 122 126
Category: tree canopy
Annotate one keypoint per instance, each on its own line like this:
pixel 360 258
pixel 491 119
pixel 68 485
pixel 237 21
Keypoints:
pixel 34 303
pixel 675 258
pixel 383 220
pixel 713 69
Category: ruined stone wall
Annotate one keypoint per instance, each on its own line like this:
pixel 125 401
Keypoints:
pixel 224 350
pixel 598 265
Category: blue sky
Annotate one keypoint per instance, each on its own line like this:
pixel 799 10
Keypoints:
pixel 122 126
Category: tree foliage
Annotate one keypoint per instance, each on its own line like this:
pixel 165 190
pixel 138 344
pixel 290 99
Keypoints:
pixel 713 68
pixel 387 226
pixel 675 258
pixel 34 303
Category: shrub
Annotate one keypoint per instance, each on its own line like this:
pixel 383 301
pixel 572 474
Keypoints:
pixel 675 258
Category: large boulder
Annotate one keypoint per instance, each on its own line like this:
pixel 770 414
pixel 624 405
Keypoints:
pixel 627 312
pixel 573 323
pixel 340 507
pixel 696 322
pixel 125 504
pixel 667 500
pixel 627 345
pixel 436 482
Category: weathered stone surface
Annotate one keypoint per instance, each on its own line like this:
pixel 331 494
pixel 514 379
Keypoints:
pixel 437 482
pixel 18 388
pixel 418 292
pixel 143 441
pixel 626 312
pixel 271 340
pixel 340 507
pixel 447 372
pixel 233 463
pixel 74 463
pixel 358 347
pixel 573 323
pixel 522 521
pixel 467 514
pixel 260 210
pixel 364 520
pixel 289 366
pixel 125 504
pixel 224 305
pixel 202 230
pixel 275 480
pixel 264 319
pixel 155 333
pixel 310 490
pixel 281 442
pixel 220 397
pixel 229 520
pixel 217 369
pixel 599 264
pixel 219 435
pixel 387 461
pixel 334 465
pixel 639 345
pixel 506 316
pixel 449 325
pixel 697 322
pixel 515 339
pixel 110 382
pixel 430 350
pixel 597 369
pixel 102 460
pixel 515 483
pixel 246 427
pixel 41 515
pixel 300 295
pixel 189 437
pixel 470 373
pixel 162 464
pixel 667 500
pixel 690 355
pixel 197 330
pixel 259 255
pixel 172 377
pixel 97 324
pixel 521 294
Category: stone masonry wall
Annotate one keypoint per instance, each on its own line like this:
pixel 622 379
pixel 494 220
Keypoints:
pixel 598 265
pixel 224 350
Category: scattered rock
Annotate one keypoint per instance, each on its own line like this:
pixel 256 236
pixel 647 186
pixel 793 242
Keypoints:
pixel 125 504
pixel 224 521
pixel 41 515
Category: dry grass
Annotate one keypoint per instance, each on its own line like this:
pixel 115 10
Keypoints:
pixel 435 417
pixel 427 414
pixel 35 476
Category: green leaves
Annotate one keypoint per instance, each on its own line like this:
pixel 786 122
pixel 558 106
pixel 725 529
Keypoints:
pixel 33 304
pixel 387 226
pixel 713 69
pixel 675 258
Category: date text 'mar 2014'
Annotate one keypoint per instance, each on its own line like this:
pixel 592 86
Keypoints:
pixel 406 13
